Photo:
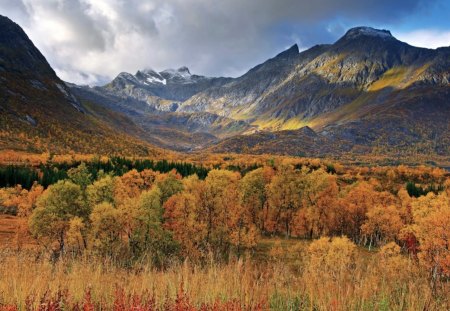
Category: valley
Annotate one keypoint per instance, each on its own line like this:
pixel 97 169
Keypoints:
pixel 316 180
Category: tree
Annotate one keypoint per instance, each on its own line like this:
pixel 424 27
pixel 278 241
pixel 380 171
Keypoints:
pixel 10 198
pixel 434 240
pixel 356 202
pixel 431 225
pixel 149 177
pixel 182 218
pixel 169 184
pixel 185 217
pixel 149 236
pixel 253 194
pixel 285 198
pixel 382 224
pixel 29 199
pixel 447 187
pixel 80 176
pixel 106 230
pixel 393 266
pixel 319 195
pixel 76 234
pixel 221 199
pixel 207 215
pixel 101 190
pixel 57 206
pixel 128 186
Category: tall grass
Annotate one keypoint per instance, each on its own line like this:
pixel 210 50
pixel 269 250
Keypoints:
pixel 27 283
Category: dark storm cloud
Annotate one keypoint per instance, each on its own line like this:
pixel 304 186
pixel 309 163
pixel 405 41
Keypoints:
pixel 100 38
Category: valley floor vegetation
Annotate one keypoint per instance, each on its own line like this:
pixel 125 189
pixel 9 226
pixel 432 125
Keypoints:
pixel 278 234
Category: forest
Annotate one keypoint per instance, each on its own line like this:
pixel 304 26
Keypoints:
pixel 271 233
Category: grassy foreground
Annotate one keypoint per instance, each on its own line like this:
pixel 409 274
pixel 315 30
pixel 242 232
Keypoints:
pixel 285 280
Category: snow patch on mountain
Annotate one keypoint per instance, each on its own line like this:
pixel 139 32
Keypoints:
pixel 181 74
pixel 153 80
pixel 367 31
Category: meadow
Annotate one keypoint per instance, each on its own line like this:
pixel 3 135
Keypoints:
pixel 257 233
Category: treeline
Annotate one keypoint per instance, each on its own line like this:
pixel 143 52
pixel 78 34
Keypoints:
pixel 50 173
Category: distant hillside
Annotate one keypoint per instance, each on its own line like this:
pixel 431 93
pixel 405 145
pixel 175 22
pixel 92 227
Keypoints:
pixel 38 112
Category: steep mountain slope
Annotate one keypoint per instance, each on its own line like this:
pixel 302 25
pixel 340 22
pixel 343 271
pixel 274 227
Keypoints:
pixel 241 95
pixel 39 113
pixel 368 91
pixel 323 79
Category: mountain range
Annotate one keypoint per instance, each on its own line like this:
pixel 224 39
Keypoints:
pixel 368 93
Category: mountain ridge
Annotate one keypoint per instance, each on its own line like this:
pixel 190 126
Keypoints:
pixel 330 86
pixel 366 93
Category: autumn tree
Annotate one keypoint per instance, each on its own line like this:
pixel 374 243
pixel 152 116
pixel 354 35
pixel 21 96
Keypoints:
pixel 182 219
pixel 319 200
pixel 431 225
pixel 28 200
pixel 224 215
pixel 128 186
pixel 106 230
pixel 149 177
pixel 356 201
pixel 207 215
pixel 77 235
pixel 383 224
pixel 149 236
pixel 10 199
pixel 80 176
pixel 285 198
pixel 393 265
pixel 57 206
pixel 21 202
pixel 101 190
pixel 169 184
pixel 254 194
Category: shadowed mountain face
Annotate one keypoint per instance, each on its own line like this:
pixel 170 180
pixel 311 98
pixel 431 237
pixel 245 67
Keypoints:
pixel 39 113
pixel 367 93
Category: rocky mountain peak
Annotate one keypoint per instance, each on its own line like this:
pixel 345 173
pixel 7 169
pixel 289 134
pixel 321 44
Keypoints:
pixel 293 51
pixel 18 53
pixel 358 32
pixel 150 76
pixel 148 71
pixel 184 69
pixel 23 61
pixel 180 73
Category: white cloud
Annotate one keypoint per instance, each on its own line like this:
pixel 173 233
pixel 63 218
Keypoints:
pixel 426 38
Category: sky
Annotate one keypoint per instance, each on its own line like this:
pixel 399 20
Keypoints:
pixel 91 41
